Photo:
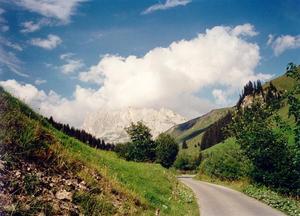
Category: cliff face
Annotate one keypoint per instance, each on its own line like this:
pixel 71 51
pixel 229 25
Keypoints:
pixel 109 125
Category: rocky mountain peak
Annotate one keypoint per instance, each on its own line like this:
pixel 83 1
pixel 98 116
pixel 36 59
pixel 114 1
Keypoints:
pixel 110 124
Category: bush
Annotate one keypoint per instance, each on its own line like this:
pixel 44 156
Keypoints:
pixel 286 204
pixel 122 150
pixel 186 162
pixel 226 161
pixel 166 150
pixel 263 136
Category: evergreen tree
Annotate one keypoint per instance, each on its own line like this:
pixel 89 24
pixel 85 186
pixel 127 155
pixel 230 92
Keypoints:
pixel 215 133
pixel 80 135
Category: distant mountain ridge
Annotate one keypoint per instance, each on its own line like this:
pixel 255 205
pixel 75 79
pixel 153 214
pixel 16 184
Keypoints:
pixel 110 124
pixel 193 129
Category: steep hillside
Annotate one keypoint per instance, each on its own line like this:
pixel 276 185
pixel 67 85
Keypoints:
pixel 192 130
pixel 45 172
pixel 282 83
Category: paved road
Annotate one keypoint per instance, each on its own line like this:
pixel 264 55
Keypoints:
pixel 215 200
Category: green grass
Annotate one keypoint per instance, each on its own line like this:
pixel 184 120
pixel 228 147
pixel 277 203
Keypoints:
pixel 221 147
pixel 192 131
pixel 225 161
pixel 135 188
pixel 282 83
pixel 153 185
pixel 195 127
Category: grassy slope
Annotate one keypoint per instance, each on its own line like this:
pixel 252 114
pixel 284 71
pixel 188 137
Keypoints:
pixel 137 188
pixel 192 130
pixel 221 147
pixel 282 83
pixel 153 185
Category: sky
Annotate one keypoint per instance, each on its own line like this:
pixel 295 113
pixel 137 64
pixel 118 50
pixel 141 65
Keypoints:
pixel 67 58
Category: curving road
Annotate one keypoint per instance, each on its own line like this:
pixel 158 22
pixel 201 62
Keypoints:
pixel 216 200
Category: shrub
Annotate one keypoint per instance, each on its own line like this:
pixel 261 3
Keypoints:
pixel 186 162
pixel 226 162
pixel 263 136
pixel 126 150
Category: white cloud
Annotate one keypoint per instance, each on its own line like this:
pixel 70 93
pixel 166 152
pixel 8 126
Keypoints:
pixel 244 30
pixel 10 61
pixel 220 96
pixel 283 43
pixel 31 26
pixel 51 104
pixel 3 23
pixel 40 81
pixel 8 43
pixel 51 42
pixel 171 77
pixel 58 9
pixel 164 6
pixel 270 39
pixel 4 28
pixel 164 76
pixel 2 11
pixel 66 56
pixel 71 64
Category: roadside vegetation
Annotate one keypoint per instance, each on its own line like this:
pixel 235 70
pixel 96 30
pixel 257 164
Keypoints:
pixel 261 157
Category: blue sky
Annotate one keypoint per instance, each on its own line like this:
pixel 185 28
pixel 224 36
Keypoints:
pixel 48 45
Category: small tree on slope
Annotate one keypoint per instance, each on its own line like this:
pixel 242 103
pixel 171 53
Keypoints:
pixel 166 150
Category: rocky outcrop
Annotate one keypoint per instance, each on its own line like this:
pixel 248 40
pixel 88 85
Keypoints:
pixel 27 187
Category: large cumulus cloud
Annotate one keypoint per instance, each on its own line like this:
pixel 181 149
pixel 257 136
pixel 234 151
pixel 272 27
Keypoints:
pixel 220 60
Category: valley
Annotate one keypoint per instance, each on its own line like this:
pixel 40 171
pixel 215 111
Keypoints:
pixel 70 176
pixel 149 108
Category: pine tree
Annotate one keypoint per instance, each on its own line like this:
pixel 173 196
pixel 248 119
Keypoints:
pixel 184 145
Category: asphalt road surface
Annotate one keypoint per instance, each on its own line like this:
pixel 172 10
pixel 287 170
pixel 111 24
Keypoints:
pixel 215 200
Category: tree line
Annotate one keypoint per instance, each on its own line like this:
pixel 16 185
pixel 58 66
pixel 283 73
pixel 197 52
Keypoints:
pixel 270 95
pixel 81 135
pixel 251 88
pixel 215 133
